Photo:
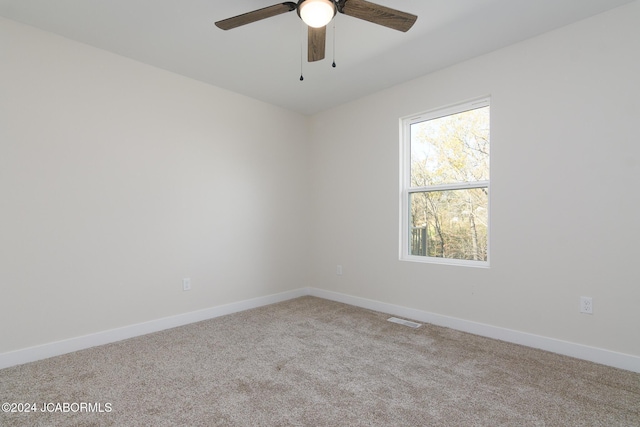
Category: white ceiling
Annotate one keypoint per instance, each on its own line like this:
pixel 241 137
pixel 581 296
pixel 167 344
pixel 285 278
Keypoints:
pixel 263 59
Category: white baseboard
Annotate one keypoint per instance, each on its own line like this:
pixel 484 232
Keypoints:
pixel 579 351
pixel 58 348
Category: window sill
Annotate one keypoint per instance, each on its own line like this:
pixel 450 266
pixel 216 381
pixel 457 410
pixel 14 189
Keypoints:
pixel 445 261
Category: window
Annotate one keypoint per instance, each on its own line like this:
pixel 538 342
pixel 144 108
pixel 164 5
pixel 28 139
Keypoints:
pixel 445 185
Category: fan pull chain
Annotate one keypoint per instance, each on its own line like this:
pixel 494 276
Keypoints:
pixel 334 44
pixel 302 50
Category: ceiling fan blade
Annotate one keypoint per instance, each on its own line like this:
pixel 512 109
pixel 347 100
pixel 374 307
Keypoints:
pixel 256 15
pixel 377 14
pixel 317 38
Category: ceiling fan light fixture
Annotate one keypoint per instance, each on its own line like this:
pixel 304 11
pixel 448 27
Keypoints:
pixel 316 13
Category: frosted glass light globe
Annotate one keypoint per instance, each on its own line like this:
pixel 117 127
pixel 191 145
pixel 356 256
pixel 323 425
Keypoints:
pixel 317 13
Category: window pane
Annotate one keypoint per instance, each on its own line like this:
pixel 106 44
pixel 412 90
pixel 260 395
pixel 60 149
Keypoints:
pixel 450 149
pixel 449 224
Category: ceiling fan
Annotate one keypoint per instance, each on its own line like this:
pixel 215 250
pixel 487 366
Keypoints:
pixel 318 13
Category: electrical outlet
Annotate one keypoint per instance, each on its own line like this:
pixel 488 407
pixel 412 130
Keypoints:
pixel 339 270
pixel 586 305
pixel 186 284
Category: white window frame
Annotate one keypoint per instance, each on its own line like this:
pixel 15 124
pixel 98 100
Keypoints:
pixel 406 189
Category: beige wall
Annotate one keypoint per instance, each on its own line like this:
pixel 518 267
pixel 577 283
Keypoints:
pixel 118 179
pixel 564 192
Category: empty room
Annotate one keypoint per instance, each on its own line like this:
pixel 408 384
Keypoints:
pixel 319 213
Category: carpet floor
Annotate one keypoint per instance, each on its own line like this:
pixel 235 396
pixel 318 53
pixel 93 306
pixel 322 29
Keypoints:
pixel 313 362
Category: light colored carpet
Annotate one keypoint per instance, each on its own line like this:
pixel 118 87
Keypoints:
pixel 312 362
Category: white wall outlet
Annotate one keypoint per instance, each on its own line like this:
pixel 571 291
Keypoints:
pixel 186 284
pixel 339 270
pixel 586 305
